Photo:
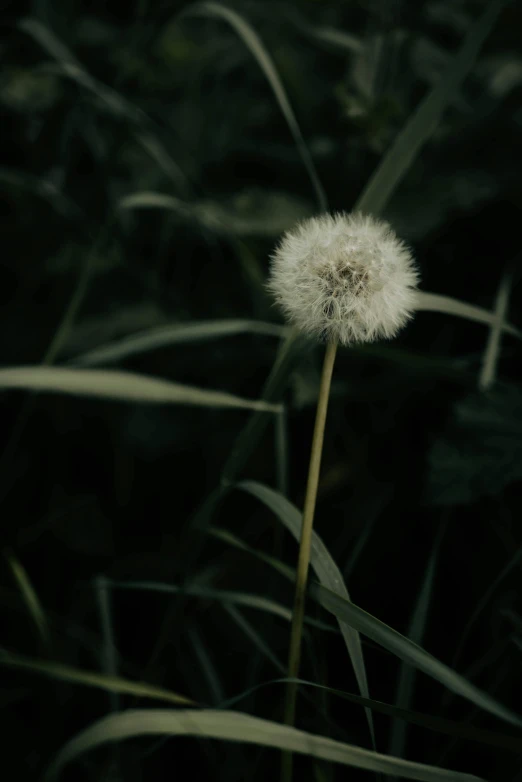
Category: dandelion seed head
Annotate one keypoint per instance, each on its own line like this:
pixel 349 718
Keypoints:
pixel 344 277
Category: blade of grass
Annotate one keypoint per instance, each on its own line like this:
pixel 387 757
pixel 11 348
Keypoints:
pixel 425 119
pixel 411 653
pixel 407 673
pixel 254 636
pixel 123 386
pixel 254 44
pixel 325 569
pixel 482 603
pixel 109 654
pixel 490 359
pixel 287 357
pixel 236 726
pixel 90 679
pixel 258 602
pixel 207 666
pixel 227 537
pixel 177 334
pixel 281 450
pixel 153 200
pixel 456 729
pixel 434 302
pixel 30 597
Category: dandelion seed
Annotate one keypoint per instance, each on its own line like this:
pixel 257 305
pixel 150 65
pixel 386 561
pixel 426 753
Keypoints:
pixel 344 278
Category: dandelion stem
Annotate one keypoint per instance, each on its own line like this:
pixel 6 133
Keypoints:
pixel 294 655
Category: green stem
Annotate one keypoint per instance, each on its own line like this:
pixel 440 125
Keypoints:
pixel 294 655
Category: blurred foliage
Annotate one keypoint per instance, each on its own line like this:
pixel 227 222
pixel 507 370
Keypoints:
pixel 144 153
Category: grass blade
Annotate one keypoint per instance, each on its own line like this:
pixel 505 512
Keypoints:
pixel 227 537
pixel 208 667
pixel 424 120
pixel 258 602
pixel 123 386
pixel 407 672
pixel 324 567
pixel 254 636
pixel 179 333
pixel 259 52
pixel 29 596
pixel 236 726
pixel 457 729
pixel 89 679
pixel 408 651
pixel 484 600
pixel 434 302
pixel 247 440
pixel 152 200
pixel 489 362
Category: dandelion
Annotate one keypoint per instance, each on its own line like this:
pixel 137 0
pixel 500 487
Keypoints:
pixel 344 278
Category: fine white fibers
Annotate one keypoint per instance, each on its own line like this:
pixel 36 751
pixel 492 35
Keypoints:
pixel 345 278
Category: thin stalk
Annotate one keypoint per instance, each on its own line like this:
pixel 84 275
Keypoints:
pixel 294 655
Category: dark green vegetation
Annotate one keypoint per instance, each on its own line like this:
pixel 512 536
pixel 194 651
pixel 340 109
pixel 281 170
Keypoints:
pixel 151 163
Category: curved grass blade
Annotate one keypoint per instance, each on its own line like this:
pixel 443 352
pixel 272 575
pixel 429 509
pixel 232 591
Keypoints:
pixel 236 726
pixel 411 653
pixel 153 200
pixel 207 666
pixel 457 729
pixel 259 602
pixel 434 302
pixel 407 672
pixel 123 386
pixel 252 41
pixel 254 636
pixel 247 440
pixel 179 333
pixel 490 359
pixel 484 600
pixel 227 537
pixel 324 567
pixel 425 119
pixel 87 678
pixel 29 596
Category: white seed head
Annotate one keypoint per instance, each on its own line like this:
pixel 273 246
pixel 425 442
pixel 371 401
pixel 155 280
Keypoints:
pixel 345 278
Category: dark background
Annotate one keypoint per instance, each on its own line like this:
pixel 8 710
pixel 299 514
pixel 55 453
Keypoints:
pixel 415 453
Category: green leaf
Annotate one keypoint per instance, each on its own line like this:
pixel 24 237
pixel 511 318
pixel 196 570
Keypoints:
pixel 411 653
pixel 29 596
pixel 480 450
pixel 457 729
pixel 236 726
pixel 434 302
pixel 89 679
pixel 123 386
pixel 258 602
pixel 324 567
pixel 179 333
